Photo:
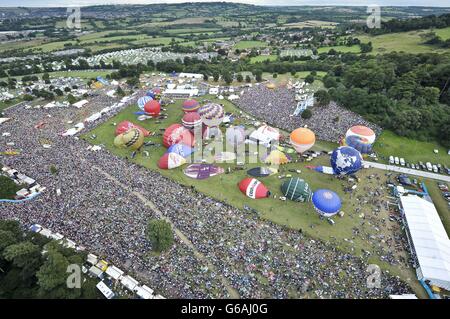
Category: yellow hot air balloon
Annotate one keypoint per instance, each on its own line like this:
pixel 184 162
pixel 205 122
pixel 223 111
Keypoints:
pixel 132 139
pixel 302 139
pixel 276 157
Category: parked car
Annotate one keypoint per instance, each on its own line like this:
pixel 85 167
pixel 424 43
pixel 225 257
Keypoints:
pixel 429 166
pixel 435 169
pixel 396 160
pixel 413 166
pixel 391 159
pixel 402 161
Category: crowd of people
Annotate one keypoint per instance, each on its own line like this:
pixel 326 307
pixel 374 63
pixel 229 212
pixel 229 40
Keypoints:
pixel 99 209
pixel 277 106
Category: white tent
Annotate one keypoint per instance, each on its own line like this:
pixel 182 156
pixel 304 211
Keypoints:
pixel 144 292
pixel 129 282
pixel 114 272
pixel 264 135
pixel 104 289
pixel 428 239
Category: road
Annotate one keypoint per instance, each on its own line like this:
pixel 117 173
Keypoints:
pixel 409 171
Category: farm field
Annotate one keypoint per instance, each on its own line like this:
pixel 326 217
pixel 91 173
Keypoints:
pixel 410 42
pixel 311 24
pixel 444 33
pixel 250 44
pixel 340 48
pixel 262 58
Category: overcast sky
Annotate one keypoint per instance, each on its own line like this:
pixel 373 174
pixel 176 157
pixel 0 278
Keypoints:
pixel 62 3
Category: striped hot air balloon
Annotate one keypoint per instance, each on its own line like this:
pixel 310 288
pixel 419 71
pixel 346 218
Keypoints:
pixel 253 188
pixel 191 120
pixel 212 114
pixel 171 160
pixel 296 189
pixel 190 105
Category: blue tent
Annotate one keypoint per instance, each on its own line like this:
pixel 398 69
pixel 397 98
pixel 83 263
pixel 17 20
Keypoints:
pixel 326 202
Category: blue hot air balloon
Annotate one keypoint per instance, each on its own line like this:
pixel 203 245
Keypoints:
pixel 327 203
pixel 142 100
pixel 346 160
pixel 359 143
pixel 180 149
pixel 151 94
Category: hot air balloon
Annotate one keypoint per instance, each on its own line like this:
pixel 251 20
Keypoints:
pixel 124 126
pixel 276 157
pixel 296 189
pixel 132 139
pixel 359 143
pixel 171 160
pixel 302 139
pixel 363 132
pixel 190 105
pixel 180 149
pixel 191 120
pixel 235 135
pixel 212 114
pixel 253 188
pixel 327 203
pixel 361 138
pixel 177 133
pixel 346 160
pixel 142 100
pixel 211 132
pixel 151 94
pixel 152 108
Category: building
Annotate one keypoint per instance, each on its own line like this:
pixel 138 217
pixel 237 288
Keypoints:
pixel 178 93
pixel 429 242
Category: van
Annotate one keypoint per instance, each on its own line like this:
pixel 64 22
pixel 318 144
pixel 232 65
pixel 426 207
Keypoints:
pixel 429 167
pixel 402 161
pixel 396 160
pixel 391 159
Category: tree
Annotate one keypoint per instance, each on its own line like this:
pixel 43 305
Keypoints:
pixel 248 79
pixel 46 77
pixel 239 77
pixel 309 78
pixel 306 114
pixel 71 99
pixel 8 188
pixel 258 76
pixel 120 91
pixel 322 97
pixel 159 233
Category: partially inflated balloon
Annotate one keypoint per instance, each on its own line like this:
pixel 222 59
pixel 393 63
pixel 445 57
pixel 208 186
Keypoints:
pixel 302 139
pixel 177 133
pixel 142 100
pixel 253 188
pixel 327 203
pixel 190 105
pixel 296 189
pixel 132 139
pixel 212 114
pixel 171 160
pixel 152 108
pixel 124 126
pixel 191 120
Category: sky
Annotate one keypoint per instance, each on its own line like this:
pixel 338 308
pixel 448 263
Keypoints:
pixel 64 3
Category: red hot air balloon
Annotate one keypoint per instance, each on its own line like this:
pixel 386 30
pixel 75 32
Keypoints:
pixel 171 160
pixel 124 126
pixel 177 133
pixel 152 108
pixel 191 120
pixel 253 188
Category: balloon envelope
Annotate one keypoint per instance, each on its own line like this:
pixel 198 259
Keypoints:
pixel 326 202
pixel 212 114
pixel 124 126
pixel 235 135
pixel 358 143
pixel 191 120
pixel 142 100
pixel 296 189
pixel 152 108
pixel 190 105
pixel 132 139
pixel 171 160
pixel 302 139
pixel 177 133
pixel 253 188
pixel 365 133
pixel 180 149
pixel 346 160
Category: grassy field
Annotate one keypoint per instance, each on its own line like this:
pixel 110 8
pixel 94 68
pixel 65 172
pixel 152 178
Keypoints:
pixel 410 42
pixel 262 58
pixel 6 104
pixel 311 24
pixel 413 151
pixel 341 48
pixel 444 33
pixel 294 215
pixel 250 45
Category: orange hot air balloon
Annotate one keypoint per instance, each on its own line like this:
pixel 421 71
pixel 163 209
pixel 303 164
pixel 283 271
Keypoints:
pixel 302 139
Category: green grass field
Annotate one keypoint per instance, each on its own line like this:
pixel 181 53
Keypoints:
pixel 444 33
pixel 250 45
pixel 263 58
pixel 413 151
pixel 410 42
pixel 293 215
pixel 341 48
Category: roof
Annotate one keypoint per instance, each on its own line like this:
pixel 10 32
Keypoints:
pixel 114 272
pixel 105 290
pixel 429 238
pixel 129 282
